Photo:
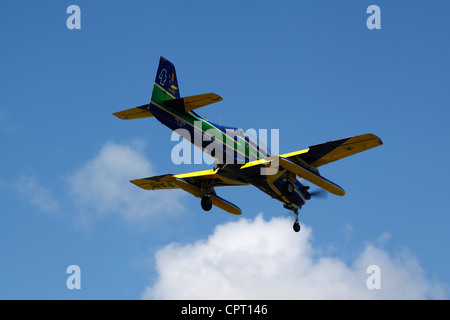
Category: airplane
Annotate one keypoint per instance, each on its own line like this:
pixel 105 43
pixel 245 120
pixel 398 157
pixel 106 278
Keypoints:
pixel 285 177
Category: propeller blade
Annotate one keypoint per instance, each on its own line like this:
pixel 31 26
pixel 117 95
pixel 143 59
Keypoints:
pixel 319 193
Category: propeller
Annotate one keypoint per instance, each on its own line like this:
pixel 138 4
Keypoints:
pixel 319 194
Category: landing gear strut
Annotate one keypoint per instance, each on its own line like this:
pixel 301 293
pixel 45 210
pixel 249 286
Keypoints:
pixel 205 192
pixel 296 225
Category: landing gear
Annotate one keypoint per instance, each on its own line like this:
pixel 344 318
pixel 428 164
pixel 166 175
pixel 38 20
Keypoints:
pixel 206 203
pixel 296 225
pixel 207 189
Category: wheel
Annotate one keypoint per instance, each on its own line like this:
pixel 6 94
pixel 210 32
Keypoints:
pixel 288 187
pixel 206 203
pixel 296 226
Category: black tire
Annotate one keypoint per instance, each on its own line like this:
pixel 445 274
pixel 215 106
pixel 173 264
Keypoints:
pixel 206 203
pixel 296 226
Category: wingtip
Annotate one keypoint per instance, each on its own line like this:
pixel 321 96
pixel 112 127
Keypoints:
pixel 117 115
pixel 377 137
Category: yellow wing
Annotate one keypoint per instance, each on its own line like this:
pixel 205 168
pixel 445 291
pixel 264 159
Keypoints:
pixel 304 163
pixel 166 181
pixel 194 183
pixel 156 183
pixel 324 153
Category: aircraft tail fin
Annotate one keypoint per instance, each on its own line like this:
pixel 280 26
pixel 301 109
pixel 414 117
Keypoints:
pixel 166 94
pixel 166 84
pixel 164 88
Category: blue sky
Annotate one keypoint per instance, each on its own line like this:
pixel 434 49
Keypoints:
pixel 311 69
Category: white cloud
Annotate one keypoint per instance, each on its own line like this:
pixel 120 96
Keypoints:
pixel 102 185
pixel 39 196
pixel 258 259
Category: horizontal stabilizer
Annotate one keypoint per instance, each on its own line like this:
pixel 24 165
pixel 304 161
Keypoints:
pixel 193 102
pixel 134 113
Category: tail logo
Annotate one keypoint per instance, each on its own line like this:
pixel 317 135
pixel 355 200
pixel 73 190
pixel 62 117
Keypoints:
pixel 162 77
